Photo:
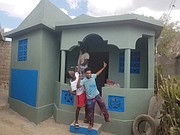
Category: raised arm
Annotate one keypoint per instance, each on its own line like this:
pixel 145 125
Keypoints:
pixel 79 80
pixel 100 71
pixel 79 61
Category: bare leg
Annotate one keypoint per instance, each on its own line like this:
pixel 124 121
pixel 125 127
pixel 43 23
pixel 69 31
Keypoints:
pixel 77 114
pixel 76 117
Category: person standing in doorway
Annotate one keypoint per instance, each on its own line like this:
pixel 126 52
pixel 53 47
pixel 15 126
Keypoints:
pixel 83 60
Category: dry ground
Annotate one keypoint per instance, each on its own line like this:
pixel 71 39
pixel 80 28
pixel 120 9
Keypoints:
pixel 11 123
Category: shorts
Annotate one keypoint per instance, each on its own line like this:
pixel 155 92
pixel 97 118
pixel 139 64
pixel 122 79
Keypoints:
pixel 81 100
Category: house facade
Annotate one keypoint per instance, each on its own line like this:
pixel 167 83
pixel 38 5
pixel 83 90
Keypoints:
pixel 48 42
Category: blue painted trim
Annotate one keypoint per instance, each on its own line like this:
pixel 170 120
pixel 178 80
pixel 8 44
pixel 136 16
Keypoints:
pixel 135 62
pixel 115 103
pixel 83 130
pixel 22 50
pixel 67 98
pixel 24 85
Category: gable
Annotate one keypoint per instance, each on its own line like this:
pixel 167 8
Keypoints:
pixel 44 13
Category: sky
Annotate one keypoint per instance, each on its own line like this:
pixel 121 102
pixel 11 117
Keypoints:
pixel 12 12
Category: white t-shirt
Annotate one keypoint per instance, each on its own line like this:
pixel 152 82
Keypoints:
pixel 74 85
pixel 82 58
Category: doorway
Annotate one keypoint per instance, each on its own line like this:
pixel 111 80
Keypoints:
pixel 96 63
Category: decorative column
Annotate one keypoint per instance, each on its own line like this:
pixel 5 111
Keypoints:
pixel 127 68
pixel 63 62
pixel 151 62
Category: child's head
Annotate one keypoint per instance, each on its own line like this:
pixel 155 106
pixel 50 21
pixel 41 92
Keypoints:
pixel 87 72
pixel 71 73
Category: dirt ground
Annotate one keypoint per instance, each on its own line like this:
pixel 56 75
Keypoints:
pixel 11 123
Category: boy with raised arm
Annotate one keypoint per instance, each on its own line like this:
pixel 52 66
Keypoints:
pixel 92 95
pixel 80 95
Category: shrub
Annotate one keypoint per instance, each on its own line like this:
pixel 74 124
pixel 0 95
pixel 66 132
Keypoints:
pixel 170 93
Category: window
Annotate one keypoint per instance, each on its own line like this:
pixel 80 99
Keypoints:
pixel 22 50
pixel 134 64
pixel 121 62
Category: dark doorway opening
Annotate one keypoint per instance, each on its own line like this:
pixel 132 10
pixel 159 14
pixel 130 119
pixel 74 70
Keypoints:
pixel 98 51
pixel 96 63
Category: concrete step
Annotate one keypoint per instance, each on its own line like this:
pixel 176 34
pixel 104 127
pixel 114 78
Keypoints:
pixel 83 129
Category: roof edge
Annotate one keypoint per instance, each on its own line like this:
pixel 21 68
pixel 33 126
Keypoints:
pixel 17 32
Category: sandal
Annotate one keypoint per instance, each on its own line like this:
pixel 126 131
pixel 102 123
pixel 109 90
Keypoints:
pixel 76 125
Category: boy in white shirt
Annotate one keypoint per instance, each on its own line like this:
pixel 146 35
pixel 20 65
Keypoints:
pixel 80 95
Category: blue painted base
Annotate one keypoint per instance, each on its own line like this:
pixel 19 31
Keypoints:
pixel 83 129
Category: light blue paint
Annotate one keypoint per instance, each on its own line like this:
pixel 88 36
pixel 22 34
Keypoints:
pixel 24 85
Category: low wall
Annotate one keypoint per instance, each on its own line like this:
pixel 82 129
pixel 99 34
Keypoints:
pixel 123 106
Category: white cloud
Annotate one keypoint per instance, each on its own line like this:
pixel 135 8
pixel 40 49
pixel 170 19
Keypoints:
pixel 73 3
pixel 148 12
pixel 117 7
pixel 7 29
pixel 64 10
pixel 174 16
pixel 106 7
pixel 73 16
pixel 18 8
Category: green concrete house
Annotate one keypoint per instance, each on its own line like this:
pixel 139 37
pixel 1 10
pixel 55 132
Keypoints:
pixel 47 43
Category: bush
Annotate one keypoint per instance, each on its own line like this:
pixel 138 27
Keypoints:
pixel 170 93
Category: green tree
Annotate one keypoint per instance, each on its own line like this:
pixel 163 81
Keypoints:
pixel 169 40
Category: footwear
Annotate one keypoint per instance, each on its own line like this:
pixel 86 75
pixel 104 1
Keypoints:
pixel 90 127
pixel 107 120
pixel 76 125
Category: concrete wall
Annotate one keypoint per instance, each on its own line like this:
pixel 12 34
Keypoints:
pixel 123 36
pixel 33 54
pixel 5 57
pixel 137 80
pixel 141 80
pixel 114 73
pixel 49 68
pixel 135 102
pixel 43 61
pixel 19 102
